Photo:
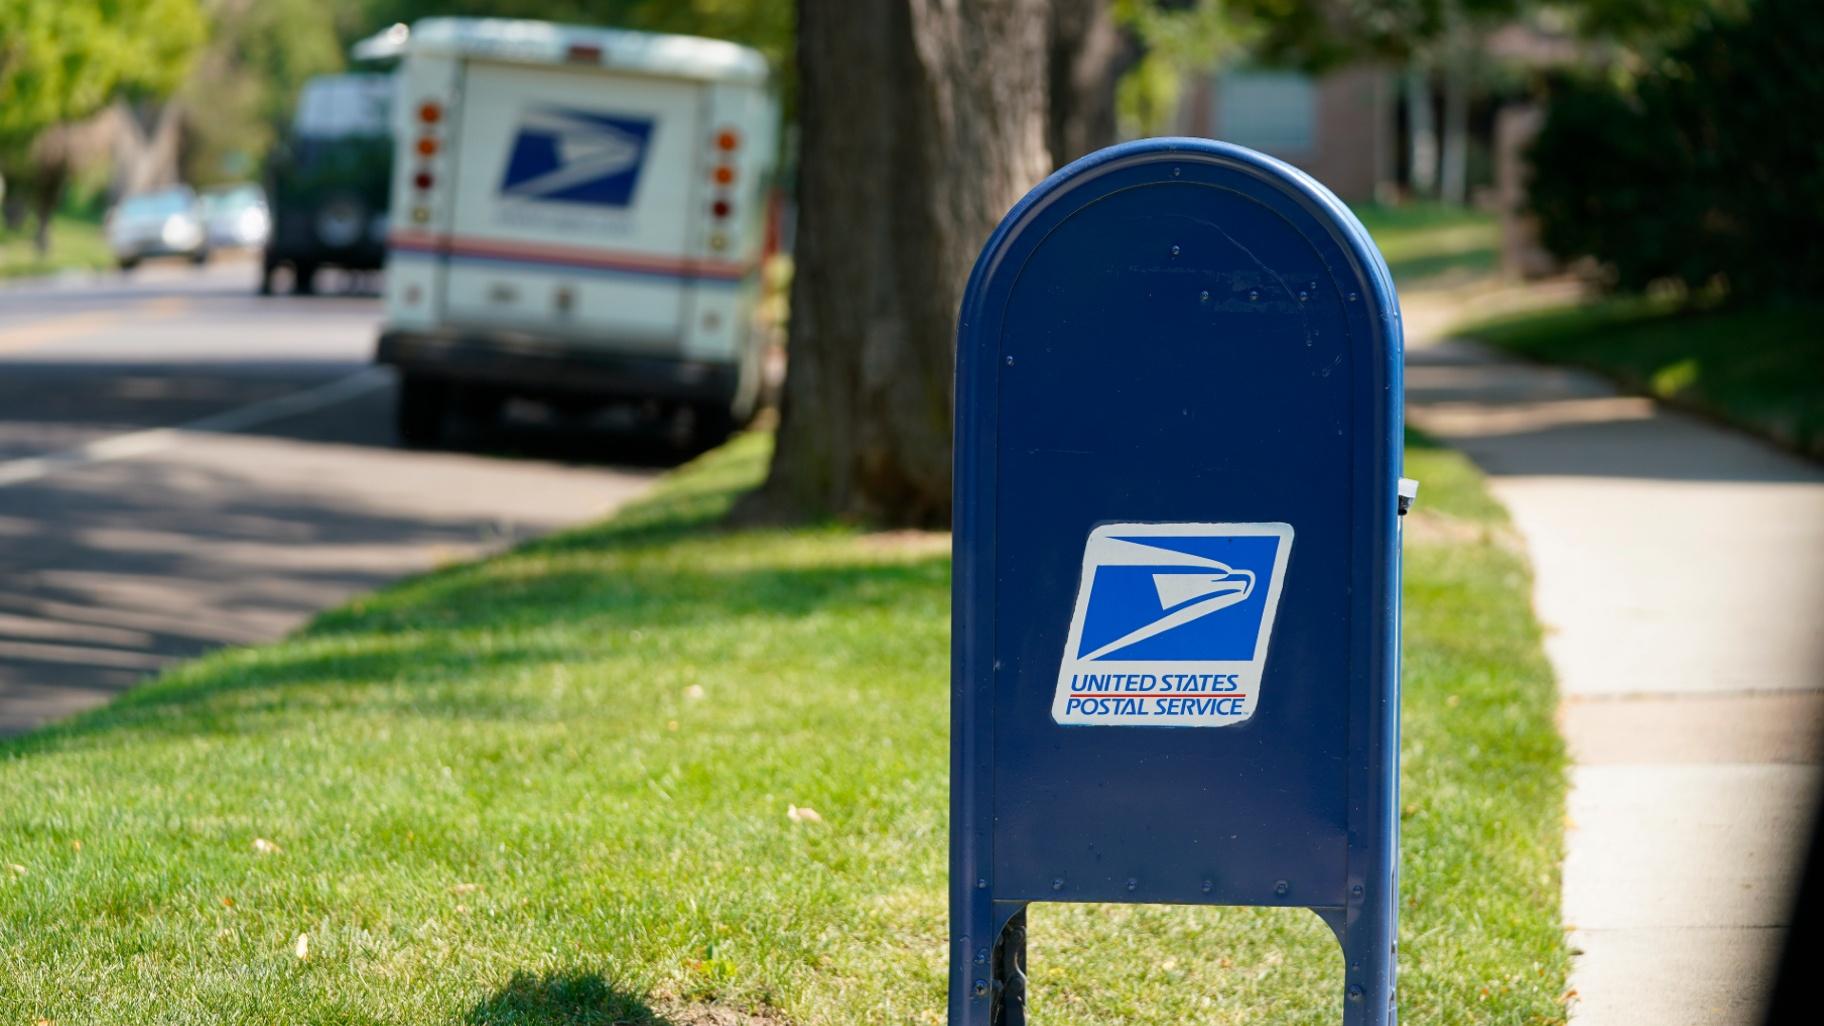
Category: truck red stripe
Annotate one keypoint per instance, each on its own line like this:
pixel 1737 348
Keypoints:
pixel 572 256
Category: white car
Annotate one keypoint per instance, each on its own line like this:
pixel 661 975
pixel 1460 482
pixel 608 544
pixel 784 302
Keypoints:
pixel 236 216
pixel 164 223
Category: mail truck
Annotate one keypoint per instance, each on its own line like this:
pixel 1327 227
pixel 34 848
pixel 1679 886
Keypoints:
pixel 578 218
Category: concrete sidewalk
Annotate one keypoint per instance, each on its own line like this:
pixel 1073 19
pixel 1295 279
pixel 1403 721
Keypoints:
pixel 1680 580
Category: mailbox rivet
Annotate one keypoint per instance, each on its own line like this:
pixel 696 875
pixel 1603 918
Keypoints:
pixel 981 988
pixel 1303 295
pixel 1208 887
pixel 981 881
pixel 981 956
pixel 1356 890
pixel 1204 295
pixel 1353 297
pixel 1355 992
pixel 1010 361
pixel 1176 172
pixel 1174 250
pixel 1132 883
pixel 1253 295
pixel 1282 888
pixel 1057 883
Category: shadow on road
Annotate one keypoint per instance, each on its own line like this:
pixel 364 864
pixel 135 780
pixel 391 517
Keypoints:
pixel 112 571
pixel 74 402
pixel 108 577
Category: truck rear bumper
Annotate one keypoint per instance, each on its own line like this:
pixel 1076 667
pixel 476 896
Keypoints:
pixel 526 363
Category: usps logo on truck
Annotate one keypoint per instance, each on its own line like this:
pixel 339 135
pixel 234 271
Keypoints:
pixel 1171 624
pixel 573 156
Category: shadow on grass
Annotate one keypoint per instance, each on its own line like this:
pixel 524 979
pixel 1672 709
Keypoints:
pixel 1446 268
pixel 432 658
pixel 563 999
pixel 1416 439
pixel 586 999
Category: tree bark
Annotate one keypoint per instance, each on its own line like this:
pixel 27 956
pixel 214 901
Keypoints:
pixel 1087 55
pixel 1453 172
pixel 922 122
pixel 44 206
pixel 1421 132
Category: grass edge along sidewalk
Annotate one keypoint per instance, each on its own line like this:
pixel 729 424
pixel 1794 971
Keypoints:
pixel 1758 368
pixel 658 770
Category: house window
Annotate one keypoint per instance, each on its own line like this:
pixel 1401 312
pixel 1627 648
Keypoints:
pixel 1271 111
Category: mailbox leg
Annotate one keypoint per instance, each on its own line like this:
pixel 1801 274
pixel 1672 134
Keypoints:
pixel 1368 968
pixel 1009 982
pixel 988 980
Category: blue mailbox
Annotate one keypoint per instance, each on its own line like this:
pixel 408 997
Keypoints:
pixel 1176 640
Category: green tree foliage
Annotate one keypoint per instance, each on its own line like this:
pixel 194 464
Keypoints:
pixel 1319 34
pixel 1177 39
pixel 247 78
pixel 1651 24
pixel 62 60
pixel 1706 172
pixel 765 25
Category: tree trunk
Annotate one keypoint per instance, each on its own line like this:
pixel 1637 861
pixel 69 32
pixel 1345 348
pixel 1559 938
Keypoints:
pixel 44 206
pixel 1421 132
pixel 1087 55
pixel 13 209
pixel 922 122
pixel 1453 173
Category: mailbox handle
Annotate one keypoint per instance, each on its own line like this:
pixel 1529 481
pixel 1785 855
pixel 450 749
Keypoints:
pixel 1409 491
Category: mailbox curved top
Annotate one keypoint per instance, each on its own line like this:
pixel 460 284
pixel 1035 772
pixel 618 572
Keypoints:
pixel 1265 179
pixel 1177 337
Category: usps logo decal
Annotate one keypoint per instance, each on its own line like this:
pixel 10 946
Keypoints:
pixel 1171 624
pixel 574 156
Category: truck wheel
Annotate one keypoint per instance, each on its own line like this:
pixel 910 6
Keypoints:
pixel 711 424
pixel 476 408
pixel 266 270
pixel 423 405
pixel 303 279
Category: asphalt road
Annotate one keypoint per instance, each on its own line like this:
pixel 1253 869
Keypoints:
pixel 185 465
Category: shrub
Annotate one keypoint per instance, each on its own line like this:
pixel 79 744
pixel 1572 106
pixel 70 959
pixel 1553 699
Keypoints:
pixel 1709 171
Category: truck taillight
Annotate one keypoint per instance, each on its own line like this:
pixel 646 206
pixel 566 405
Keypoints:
pixel 584 53
pixel 430 113
pixel 722 174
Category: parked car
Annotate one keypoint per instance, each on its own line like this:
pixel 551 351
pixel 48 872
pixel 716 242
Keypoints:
pixel 168 222
pixel 235 216
pixel 329 180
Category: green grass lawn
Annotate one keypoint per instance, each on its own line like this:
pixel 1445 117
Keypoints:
pixel 75 243
pixel 1762 369
pixel 1428 245
pixel 554 787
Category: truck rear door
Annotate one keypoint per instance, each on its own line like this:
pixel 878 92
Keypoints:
pixel 573 201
